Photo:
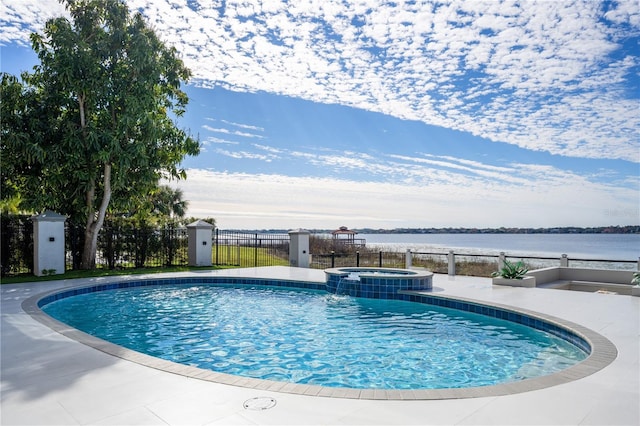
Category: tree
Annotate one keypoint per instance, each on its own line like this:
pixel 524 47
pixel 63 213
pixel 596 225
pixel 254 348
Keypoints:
pixel 94 120
pixel 21 136
pixel 167 202
pixel 162 204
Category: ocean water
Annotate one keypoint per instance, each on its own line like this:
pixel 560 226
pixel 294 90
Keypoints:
pixel 576 246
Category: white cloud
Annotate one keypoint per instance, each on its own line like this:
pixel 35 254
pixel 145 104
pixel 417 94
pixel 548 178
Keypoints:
pixel 543 75
pixel 240 155
pixel 19 18
pixel 554 198
pixel 232 132
pixel 423 170
pixel 243 126
pixel 624 12
pixel 270 149
pixel 212 140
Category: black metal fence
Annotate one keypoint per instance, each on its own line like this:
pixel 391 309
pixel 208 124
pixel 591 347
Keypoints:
pixel 236 248
pixel 16 245
pixel 481 265
pixel 378 259
pixel 124 245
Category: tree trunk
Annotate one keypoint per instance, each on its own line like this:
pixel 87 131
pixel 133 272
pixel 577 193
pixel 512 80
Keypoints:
pixel 89 248
pixel 94 224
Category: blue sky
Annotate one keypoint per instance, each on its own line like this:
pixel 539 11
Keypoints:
pixel 317 114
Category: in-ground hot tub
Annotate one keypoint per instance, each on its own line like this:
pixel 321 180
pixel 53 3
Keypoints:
pixel 377 283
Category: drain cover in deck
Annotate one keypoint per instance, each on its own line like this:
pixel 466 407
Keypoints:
pixel 259 403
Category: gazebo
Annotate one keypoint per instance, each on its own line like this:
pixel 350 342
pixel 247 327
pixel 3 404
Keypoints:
pixel 344 235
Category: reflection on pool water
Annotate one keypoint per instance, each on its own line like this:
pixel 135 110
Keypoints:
pixel 312 337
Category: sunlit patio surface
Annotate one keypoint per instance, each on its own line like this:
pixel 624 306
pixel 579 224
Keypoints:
pixel 47 378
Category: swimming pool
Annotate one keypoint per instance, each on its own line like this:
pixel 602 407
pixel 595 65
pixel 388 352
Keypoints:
pixel 602 351
pixel 311 337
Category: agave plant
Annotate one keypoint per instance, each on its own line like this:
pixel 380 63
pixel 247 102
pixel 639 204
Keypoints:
pixel 513 271
pixel 636 278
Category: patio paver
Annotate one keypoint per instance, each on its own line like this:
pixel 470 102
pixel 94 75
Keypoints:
pixel 46 378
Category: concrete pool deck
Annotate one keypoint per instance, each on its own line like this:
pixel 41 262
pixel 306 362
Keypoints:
pixel 46 378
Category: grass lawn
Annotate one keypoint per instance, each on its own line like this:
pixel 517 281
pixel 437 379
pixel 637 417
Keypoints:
pixel 234 257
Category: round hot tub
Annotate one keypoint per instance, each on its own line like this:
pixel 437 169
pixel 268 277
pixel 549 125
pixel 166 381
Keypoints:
pixel 376 283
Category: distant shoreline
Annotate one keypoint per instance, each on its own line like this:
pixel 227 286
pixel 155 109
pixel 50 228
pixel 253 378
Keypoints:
pixel 631 229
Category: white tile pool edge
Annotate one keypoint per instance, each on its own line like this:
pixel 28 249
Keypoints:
pixel 603 353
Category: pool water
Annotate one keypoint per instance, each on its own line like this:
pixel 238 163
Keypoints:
pixel 312 337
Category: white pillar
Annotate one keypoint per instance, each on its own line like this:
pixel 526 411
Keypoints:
pixel 299 248
pixel 451 261
pixel 408 260
pixel 564 260
pixel 200 236
pixel 48 243
pixel 501 258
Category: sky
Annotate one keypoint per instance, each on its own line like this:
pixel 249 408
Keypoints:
pixel 406 114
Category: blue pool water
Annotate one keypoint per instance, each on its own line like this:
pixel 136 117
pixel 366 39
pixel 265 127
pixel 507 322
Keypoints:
pixel 311 337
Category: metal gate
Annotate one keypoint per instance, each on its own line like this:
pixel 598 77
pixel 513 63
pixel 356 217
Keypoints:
pixel 244 249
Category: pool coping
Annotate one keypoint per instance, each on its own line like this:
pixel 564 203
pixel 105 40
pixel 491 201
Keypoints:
pixel 603 353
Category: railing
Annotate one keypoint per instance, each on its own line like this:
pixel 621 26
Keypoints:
pixel 543 262
pixel 16 245
pixel 142 247
pixel 244 249
pixel 128 247
pixel 125 246
pixel 350 242
pixel 452 263
pixel 372 259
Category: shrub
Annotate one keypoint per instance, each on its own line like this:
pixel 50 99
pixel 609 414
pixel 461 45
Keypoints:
pixel 513 271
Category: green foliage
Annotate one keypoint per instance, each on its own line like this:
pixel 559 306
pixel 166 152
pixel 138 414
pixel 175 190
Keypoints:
pixel 16 244
pixel 514 271
pixel 636 278
pixel 20 133
pixel 92 127
pixel 161 205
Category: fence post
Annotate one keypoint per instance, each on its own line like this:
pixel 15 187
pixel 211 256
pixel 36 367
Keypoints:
pixel 408 260
pixel 380 259
pixel 333 259
pixel 255 250
pixel 564 260
pixel 216 244
pixel 451 260
pixel 357 259
pixel 199 243
pixel 48 243
pixel 299 248
pixel 501 258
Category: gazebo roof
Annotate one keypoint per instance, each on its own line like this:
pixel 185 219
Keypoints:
pixel 343 230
